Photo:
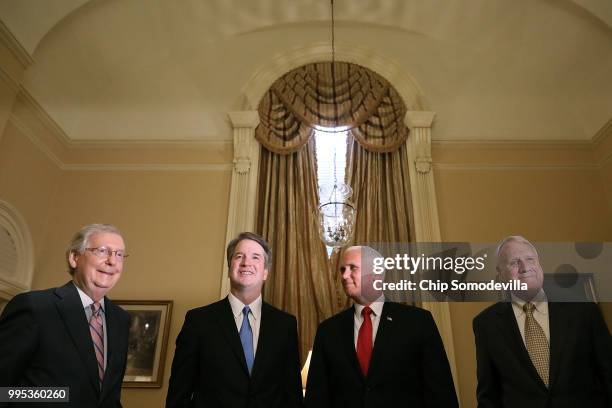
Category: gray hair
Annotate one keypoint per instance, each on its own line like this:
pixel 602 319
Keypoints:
pixel 231 247
pixel 513 238
pixel 80 240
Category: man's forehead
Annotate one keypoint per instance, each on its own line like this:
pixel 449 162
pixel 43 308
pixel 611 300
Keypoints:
pixel 517 248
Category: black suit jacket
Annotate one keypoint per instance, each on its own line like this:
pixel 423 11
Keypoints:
pixel 45 341
pixel 209 368
pixel 580 373
pixel 408 367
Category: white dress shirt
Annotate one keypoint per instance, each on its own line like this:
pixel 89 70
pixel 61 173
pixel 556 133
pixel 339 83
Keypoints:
pixel 254 316
pixel 87 302
pixel 540 313
pixel 377 307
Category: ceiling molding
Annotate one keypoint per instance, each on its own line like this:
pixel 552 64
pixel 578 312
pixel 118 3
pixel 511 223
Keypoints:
pixel 515 167
pixel 8 79
pixel 178 155
pixel 8 39
pixel 603 133
pixel 225 167
pixel 473 144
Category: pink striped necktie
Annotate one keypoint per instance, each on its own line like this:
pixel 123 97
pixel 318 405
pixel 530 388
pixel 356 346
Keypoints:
pixel 97 335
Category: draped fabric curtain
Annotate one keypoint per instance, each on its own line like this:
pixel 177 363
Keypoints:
pixel 381 193
pixel 331 96
pixel 303 281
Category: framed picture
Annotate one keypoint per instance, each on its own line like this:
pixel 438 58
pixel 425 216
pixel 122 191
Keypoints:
pixel 147 342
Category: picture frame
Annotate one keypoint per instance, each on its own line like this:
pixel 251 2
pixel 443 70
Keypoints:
pixel 147 343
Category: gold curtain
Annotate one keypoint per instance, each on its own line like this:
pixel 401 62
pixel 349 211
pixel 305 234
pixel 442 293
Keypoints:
pixel 381 193
pixel 326 95
pixel 302 281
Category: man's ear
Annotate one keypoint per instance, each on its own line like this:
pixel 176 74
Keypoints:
pixel 265 274
pixel 72 259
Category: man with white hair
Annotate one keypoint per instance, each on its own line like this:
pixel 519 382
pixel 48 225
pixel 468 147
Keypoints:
pixel 377 353
pixel 71 336
pixel 535 353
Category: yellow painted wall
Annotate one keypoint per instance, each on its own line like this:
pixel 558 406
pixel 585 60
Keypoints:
pixel 486 193
pixel 174 221
pixel 174 225
pixel 29 182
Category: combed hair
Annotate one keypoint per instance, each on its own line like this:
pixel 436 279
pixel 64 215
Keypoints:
pixel 231 247
pixel 80 240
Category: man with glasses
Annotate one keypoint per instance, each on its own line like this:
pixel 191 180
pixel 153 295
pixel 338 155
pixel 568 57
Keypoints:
pixel 239 351
pixel 71 336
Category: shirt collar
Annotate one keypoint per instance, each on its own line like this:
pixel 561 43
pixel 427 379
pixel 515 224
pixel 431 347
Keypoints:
pixel 237 306
pixel 86 300
pixel 376 306
pixel 540 301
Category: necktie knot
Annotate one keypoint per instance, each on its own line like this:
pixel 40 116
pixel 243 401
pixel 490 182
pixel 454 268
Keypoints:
pixel 245 311
pixel 95 308
pixel 528 308
pixel 366 312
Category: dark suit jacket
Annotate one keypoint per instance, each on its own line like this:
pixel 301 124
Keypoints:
pixel 45 341
pixel 209 368
pixel 408 367
pixel 580 372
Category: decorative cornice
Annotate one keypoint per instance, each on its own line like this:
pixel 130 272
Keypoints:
pixel 7 38
pixel 419 119
pixel 244 119
pixel 4 76
pixel 514 167
pixel 603 133
pixel 147 167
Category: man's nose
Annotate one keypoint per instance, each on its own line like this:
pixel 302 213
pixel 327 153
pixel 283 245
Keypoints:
pixel 111 259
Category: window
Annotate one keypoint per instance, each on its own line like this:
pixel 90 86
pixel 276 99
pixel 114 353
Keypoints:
pixel 331 153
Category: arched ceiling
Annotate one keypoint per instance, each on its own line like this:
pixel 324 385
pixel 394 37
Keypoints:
pixel 162 69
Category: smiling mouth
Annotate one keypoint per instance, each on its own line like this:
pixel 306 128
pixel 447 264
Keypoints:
pixel 247 273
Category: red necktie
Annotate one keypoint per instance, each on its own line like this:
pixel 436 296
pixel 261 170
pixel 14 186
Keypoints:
pixel 364 341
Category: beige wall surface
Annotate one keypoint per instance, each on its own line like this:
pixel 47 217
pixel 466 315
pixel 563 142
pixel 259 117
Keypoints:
pixel 174 226
pixel 29 182
pixel 546 193
pixel 174 220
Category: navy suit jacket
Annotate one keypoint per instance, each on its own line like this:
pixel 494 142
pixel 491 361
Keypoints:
pixel 45 341
pixel 580 373
pixel 209 368
pixel 408 367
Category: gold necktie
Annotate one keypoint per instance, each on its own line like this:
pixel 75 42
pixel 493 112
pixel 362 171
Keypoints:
pixel 537 343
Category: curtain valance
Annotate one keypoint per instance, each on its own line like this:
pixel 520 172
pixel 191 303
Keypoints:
pixel 315 95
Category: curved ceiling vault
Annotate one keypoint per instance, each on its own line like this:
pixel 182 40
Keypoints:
pixel 161 69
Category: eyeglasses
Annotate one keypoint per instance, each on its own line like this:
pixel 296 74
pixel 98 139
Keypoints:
pixel 104 252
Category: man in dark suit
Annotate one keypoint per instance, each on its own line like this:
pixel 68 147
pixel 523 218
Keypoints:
pixel 239 351
pixel 535 353
pixel 377 353
pixel 71 336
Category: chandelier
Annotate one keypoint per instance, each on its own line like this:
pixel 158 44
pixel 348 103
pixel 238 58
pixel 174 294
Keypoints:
pixel 337 214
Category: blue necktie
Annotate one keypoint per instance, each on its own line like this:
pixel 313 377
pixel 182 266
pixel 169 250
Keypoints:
pixel 246 338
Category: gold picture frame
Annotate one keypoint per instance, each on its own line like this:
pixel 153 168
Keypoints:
pixel 148 341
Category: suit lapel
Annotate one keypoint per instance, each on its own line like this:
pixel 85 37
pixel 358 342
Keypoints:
pixel 71 310
pixel 226 321
pixel 112 325
pixel 264 341
pixel 557 338
pixel 509 330
pixel 347 338
pixel 385 326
